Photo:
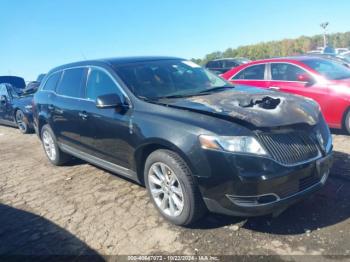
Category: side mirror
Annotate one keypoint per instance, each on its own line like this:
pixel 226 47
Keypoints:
pixel 306 78
pixel 3 100
pixel 109 101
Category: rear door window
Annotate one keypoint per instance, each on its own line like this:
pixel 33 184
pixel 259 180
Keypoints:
pixel 255 72
pixel 72 83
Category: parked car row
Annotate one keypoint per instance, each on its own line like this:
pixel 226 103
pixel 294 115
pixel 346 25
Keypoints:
pixel 220 66
pixel 195 140
pixel 16 102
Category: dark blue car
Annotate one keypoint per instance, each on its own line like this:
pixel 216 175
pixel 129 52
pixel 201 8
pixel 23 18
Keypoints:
pixel 16 103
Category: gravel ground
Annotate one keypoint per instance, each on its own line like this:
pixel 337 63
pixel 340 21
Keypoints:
pixel 80 209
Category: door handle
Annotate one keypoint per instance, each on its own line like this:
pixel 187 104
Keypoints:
pixel 83 115
pixel 275 87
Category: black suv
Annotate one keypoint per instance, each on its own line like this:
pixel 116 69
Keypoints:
pixel 193 139
pixel 220 66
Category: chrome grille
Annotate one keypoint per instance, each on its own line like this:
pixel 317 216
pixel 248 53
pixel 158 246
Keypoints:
pixel 290 148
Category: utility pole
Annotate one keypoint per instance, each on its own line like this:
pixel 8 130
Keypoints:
pixel 324 26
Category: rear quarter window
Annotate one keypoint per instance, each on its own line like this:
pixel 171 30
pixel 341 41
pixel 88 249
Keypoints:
pixel 51 83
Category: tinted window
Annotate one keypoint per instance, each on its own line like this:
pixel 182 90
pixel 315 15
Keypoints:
pixel 71 83
pixel 3 90
pixel 214 64
pixel 230 64
pixel 286 72
pixel 99 83
pixel 255 72
pixel 51 83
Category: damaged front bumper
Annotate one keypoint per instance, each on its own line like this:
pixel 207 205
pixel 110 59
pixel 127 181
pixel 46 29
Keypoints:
pixel 255 186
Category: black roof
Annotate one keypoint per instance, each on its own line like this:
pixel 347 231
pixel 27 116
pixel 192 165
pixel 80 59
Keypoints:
pixel 117 61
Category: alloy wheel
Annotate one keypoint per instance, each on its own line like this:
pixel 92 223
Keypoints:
pixel 20 121
pixel 49 145
pixel 166 189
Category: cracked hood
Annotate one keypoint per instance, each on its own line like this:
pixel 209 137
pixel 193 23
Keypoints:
pixel 258 107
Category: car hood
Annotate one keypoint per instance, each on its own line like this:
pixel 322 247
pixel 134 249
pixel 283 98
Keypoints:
pixel 255 106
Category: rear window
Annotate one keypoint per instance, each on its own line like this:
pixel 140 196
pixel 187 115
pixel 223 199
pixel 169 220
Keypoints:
pixel 72 83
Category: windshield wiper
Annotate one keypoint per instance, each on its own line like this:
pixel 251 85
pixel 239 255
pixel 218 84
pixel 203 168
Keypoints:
pixel 203 92
pixel 214 89
pixel 177 96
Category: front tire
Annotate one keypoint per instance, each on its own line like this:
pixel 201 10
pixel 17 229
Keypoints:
pixel 347 122
pixel 172 188
pixel 52 151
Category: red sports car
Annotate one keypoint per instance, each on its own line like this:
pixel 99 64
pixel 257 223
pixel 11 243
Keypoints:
pixel 325 81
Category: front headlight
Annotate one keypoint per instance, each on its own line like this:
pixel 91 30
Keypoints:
pixel 237 144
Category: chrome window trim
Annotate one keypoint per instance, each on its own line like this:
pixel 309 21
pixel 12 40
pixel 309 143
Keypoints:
pixel 85 85
pixel 262 63
pixel 270 76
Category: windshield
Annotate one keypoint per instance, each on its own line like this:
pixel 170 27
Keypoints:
pixel 331 70
pixel 169 78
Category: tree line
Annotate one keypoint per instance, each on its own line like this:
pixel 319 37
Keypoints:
pixel 286 47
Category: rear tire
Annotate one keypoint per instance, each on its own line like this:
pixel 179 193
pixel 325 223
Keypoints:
pixel 347 122
pixel 21 123
pixel 52 151
pixel 172 188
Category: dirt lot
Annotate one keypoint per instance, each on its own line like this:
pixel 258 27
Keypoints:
pixel 80 209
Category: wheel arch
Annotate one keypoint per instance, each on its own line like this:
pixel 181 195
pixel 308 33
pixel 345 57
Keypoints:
pixel 15 112
pixel 143 151
pixel 41 122
pixel 346 112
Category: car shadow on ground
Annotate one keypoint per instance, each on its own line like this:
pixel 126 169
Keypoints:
pixel 31 236
pixel 329 206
